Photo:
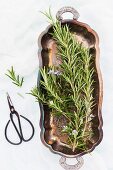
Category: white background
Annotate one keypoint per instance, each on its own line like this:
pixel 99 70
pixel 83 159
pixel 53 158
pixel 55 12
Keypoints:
pixel 20 25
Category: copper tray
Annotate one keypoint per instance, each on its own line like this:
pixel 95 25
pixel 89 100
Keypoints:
pixel 50 127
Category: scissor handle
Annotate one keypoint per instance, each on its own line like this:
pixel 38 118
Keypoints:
pixel 33 130
pixel 13 143
pixel 19 132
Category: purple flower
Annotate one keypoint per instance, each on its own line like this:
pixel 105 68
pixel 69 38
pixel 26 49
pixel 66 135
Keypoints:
pixel 74 132
pixel 54 72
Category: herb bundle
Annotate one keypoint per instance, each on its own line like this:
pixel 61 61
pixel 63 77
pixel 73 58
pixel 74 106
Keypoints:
pixel 68 88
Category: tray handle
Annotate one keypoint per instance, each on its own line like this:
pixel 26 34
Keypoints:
pixel 80 162
pixel 67 9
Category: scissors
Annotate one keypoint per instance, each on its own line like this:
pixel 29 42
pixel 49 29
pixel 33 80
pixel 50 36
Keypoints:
pixel 19 127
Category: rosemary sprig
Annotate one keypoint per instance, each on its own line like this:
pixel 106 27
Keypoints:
pixel 70 93
pixel 15 78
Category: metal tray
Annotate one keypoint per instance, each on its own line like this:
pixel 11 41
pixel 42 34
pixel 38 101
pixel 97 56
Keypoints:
pixel 51 134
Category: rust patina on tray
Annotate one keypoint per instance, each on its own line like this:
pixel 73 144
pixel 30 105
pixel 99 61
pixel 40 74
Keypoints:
pixel 51 134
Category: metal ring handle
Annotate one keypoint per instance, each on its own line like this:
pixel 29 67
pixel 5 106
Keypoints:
pixel 77 166
pixel 67 9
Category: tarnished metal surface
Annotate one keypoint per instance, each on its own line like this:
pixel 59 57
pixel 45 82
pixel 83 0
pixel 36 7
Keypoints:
pixel 51 127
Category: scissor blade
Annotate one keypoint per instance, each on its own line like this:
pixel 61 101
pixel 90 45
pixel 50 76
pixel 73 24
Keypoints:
pixel 10 102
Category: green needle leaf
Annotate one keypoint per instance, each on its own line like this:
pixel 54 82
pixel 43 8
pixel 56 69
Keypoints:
pixel 16 78
pixel 69 94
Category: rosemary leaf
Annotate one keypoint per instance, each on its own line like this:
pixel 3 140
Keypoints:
pixel 71 93
pixel 15 78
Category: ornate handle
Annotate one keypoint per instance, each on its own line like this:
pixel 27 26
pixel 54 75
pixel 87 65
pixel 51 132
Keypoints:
pixel 67 9
pixel 77 166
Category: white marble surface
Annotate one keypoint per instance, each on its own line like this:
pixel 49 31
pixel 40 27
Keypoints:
pixel 20 25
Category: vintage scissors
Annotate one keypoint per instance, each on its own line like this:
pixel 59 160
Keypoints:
pixel 19 127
